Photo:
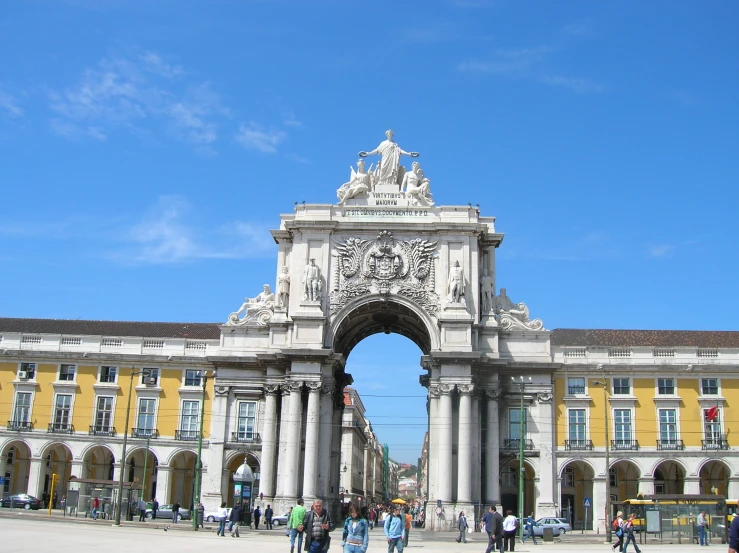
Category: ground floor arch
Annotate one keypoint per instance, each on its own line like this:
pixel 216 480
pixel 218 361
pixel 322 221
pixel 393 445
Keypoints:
pixel 57 459
pixel 577 484
pixel 15 460
pixel 714 478
pixel 623 480
pixel 233 465
pixel 142 468
pixel 509 487
pixel 98 463
pixel 669 478
pixel 182 467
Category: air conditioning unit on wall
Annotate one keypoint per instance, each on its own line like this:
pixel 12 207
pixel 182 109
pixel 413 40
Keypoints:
pixel 150 380
pixel 23 375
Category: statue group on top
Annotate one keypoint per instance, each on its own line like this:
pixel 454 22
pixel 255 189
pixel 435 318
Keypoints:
pixel 413 184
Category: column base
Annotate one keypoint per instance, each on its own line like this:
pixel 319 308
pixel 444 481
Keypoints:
pixel 446 521
pixel 546 510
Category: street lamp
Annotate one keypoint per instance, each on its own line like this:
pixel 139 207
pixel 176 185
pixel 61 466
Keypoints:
pixel 522 384
pixel 604 383
pixel 119 499
pixel 199 460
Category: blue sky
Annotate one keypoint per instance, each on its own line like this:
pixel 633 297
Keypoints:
pixel 146 148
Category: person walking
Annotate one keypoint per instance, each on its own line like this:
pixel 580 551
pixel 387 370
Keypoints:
pixel 629 531
pixel 734 536
pixel 175 511
pixel 618 529
pixel 222 517
pixel 237 514
pixel 142 510
pixel 462 527
pixel 154 509
pixel 372 517
pixel 488 524
pixel 394 530
pixel 528 527
pixel 268 513
pixel 294 522
pixel 54 500
pixel 510 525
pixel 318 524
pixel 408 524
pixel 702 523
pixel 355 538
pixel 95 508
pixel 257 515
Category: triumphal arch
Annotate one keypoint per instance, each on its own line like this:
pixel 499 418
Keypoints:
pixel 385 258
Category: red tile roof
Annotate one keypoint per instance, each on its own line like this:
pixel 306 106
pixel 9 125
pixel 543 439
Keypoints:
pixel 196 331
pixel 654 338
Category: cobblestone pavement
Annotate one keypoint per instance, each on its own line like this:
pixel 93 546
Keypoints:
pixel 25 533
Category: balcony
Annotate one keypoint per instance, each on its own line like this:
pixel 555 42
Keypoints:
pixel 246 438
pixel 60 428
pixel 715 443
pixel 576 390
pixel 515 444
pixel 186 435
pixel 102 430
pixel 20 426
pixel 578 445
pixel 624 445
pixel 146 433
pixel 670 445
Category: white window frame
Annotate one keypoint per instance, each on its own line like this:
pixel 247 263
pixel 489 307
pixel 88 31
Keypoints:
pixel 59 372
pixel 705 424
pixel 15 405
pixel 182 416
pixel 632 422
pixel 100 374
pixel 112 410
pixel 674 386
pixel 522 425
pixel 238 418
pixel 613 386
pixel 155 414
pixel 146 373
pixel 71 407
pixel 184 378
pixel 511 473
pixel 567 474
pixel 718 386
pixel 677 422
pixel 584 384
pixel 586 422
pixel 35 369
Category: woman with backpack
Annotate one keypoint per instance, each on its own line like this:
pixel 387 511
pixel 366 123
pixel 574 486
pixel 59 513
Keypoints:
pixel 356 532
pixel 462 527
pixel 629 531
pixel 618 524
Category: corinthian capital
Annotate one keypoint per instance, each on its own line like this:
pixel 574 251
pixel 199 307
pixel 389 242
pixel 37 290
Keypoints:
pixel 328 389
pixel 492 393
pixel 271 388
pixel 294 385
pixel 434 390
pixel 446 388
pixel 313 386
pixel 465 388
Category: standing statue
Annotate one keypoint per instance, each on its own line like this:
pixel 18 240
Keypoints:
pixel 416 186
pixel 312 282
pixel 486 289
pixel 388 171
pixel 360 182
pixel 455 284
pixel 283 288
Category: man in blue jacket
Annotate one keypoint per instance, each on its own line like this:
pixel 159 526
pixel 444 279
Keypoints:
pixel 394 530
pixel 734 535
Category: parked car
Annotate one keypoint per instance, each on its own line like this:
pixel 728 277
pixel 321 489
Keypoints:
pixel 21 501
pixel 280 520
pixel 213 516
pixel 165 512
pixel 558 526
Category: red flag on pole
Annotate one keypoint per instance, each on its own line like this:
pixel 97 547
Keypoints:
pixel 712 414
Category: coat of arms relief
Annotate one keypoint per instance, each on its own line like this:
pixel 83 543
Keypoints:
pixel 385 266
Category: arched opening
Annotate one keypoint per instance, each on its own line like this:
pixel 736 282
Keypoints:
pixel 232 467
pixel 58 461
pixel 714 478
pixel 577 484
pixel 669 478
pixel 182 477
pixel 509 488
pixel 142 468
pixel 384 409
pixel 17 457
pixel 99 463
pixel 623 480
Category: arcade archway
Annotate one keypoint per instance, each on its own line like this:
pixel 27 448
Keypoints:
pixel 16 458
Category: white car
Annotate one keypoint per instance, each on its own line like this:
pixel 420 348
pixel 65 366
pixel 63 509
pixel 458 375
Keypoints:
pixel 214 516
pixel 558 525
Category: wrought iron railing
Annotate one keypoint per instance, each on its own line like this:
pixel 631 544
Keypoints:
pixel 60 428
pixel 717 442
pixel 246 438
pixel 20 426
pixel 515 444
pixel 625 445
pixel 144 433
pixel 186 435
pixel 102 430
pixel 670 444
pixel 574 390
pixel 578 445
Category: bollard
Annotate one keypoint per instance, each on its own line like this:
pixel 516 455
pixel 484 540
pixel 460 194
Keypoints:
pixel 548 535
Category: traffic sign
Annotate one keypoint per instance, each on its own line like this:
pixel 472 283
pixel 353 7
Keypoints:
pixel 587 502
pixel 2 480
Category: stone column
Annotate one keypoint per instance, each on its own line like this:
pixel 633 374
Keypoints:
pixel 476 465
pixel 733 488
pixel 324 463
pixel 444 451
pixel 164 475
pixel 294 439
pixel 598 514
pixel 492 450
pixel 35 477
pixel 692 485
pixel 212 477
pixel 282 461
pixel 269 443
pixel 464 446
pixel 312 430
pixel 646 485
pixel 432 466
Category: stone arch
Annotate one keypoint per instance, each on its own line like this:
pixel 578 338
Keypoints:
pixel 373 314
pixel 236 454
pixel 714 477
pixel 98 462
pixel 509 475
pixel 182 468
pixel 235 461
pixel 571 460
pixel 142 468
pixel 16 457
pixel 658 462
pixel 577 482
pixel 623 479
pixel 669 477
pixel 58 457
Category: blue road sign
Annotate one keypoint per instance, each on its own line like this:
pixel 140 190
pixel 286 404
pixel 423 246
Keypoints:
pixel 587 502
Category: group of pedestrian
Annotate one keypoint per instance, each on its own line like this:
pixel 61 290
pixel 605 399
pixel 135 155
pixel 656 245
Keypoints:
pixel 624 529
pixel 311 528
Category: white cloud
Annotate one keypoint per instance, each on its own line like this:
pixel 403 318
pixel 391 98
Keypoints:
pixel 254 137
pixel 289 120
pixel 136 95
pixel 9 104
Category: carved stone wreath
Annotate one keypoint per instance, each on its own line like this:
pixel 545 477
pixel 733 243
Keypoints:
pixel 385 266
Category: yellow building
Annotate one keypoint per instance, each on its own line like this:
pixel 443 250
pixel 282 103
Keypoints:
pixel 663 403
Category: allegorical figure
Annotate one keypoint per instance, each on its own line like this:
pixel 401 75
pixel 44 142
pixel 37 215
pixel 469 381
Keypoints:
pixel 455 283
pixel 514 315
pixel 388 170
pixel 416 186
pixel 360 182
pixel 486 291
pixel 283 288
pixel 312 282
pixel 259 308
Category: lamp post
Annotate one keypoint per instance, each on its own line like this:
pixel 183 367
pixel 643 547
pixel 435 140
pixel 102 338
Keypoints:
pixel 521 425
pixel 604 383
pixel 199 460
pixel 119 499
